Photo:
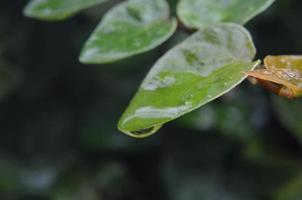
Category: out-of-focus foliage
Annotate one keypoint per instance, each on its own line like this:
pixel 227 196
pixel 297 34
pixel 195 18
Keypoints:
pixel 53 10
pixel 9 79
pixel 57 122
pixel 289 113
pixel 247 109
pixel 129 28
pixel 202 13
pixel 291 190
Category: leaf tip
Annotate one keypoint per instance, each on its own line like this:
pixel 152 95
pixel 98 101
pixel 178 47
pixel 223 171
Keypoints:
pixel 88 56
pixel 137 132
pixel 27 11
pixel 141 133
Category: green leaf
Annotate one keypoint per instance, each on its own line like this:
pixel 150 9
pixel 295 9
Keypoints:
pixel 202 68
pixel 201 13
pixel 53 10
pixel 130 28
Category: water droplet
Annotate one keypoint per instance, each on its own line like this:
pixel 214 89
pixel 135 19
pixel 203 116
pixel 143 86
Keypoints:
pixel 188 99
pixel 142 131
pixel 187 103
pixel 159 82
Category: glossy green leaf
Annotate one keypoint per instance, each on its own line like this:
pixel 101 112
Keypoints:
pixel 53 10
pixel 201 13
pixel 130 28
pixel 200 69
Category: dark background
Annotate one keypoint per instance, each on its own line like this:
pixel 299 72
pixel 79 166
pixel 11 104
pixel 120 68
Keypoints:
pixel 58 136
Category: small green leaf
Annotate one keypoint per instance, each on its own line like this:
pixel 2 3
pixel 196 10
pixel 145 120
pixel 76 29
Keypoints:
pixel 201 13
pixel 130 28
pixel 53 10
pixel 205 66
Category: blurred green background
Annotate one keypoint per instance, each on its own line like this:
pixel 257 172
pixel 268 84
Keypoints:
pixel 58 135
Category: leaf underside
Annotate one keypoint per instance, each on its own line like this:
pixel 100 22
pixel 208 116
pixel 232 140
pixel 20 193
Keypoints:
pixel 202 13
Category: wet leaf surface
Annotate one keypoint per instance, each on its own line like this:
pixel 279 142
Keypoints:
pixel 201 13
pixel 205 66
pixel 130 28
pixel 53 10
pixel 285 71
